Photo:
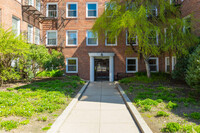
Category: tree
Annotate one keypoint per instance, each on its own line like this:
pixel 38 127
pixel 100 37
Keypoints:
pixel 12 48
pixel 147 20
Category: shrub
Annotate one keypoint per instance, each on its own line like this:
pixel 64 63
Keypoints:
pixel 171 105
pixel 193 70
pixel 195 115
pixel 8 125
pixel 172 127
pixel 53 73
pixel 162 113
pixel 46 128
pixel 10 89
pixel 43 118
pixel 25 122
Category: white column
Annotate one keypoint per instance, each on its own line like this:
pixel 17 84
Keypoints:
pixel 91 69
pixel 111 73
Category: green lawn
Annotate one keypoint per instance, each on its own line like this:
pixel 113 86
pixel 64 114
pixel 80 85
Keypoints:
pixel 165 106
pixel 39 102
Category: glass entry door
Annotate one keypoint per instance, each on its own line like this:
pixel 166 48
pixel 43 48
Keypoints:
pixel 101 69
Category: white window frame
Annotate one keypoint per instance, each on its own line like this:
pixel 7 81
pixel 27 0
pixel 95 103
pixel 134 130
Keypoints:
pixel 31 39
pixel 47 9
pixel 157 63
pixel 73 58
pixel 87 9
pixel 68 3
pixel 173 65
pixel 157 39
pixel 47 37
pixel 67 38
pixel 31 4
pixel 87 39
pixel 135 64
pixel 18 25
pixel 127 40
pixel 110 44
pixel 166 58
pixel 38 36
pixel 38 8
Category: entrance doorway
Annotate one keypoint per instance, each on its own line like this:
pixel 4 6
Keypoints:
pixel 101 69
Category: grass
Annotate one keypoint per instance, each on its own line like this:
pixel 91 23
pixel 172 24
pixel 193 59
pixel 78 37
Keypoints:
pixel 164 103
pixel 36 100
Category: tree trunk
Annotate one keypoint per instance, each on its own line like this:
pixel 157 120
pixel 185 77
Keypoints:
pixel 147 68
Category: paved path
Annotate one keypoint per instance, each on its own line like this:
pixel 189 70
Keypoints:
pixel 100 110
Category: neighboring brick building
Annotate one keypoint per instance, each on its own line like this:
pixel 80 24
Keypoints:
pixel 66 25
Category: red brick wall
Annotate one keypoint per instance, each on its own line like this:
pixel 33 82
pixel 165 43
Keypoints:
pixel 192 7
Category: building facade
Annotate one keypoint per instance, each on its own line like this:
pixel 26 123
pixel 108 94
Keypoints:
pixel 65 25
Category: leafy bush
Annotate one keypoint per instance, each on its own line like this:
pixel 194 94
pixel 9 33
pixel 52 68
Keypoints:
pixel 10 89
pixel 171 105
pixel 46 128
pixel 172 127
pixel 8 125
pixel 195 115
pixel 162 113
pixel 193 71
pixel 43 118
pixel 53 73
pixel 141 77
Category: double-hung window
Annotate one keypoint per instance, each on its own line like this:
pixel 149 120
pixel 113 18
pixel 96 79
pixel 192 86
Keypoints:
pixel 153 37
pixel 91 9
pixel 30 34
pixel 153 64
pixel 72 38
pixel 173 62
pixel 91 39
pixel 167 64
pixel 131 40
pixel 110 40
pixel 37 36
pixel 16 26
pixel 51 38
pixel 38 5
pixel 31 2
pixel 131 65
pixel 72 9
pixel 72 65
pixel 52 10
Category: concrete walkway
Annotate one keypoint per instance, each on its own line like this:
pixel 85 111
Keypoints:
pixel 100 110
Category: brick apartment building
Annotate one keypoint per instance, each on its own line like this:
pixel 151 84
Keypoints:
pixel 65 25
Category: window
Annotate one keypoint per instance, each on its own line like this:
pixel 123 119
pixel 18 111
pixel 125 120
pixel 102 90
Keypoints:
pixel 173 62
pixel 110 41
pixel 52 10
pixel 72 38
pixel 167 64
pixel 38 5
pixel 131 65
pixel 51 38
pixel 91 9
pixel 72 65
pixel 30 34
pixel 31 2
pixel 16 25
pixel 72 9
pixel 187 24
pixel 153 11
pixel 153 63
pixel 37 36
pixel 91 39
pixel 153 37
pixel 109 7
pixel 130 40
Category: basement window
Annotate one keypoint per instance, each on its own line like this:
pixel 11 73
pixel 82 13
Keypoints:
pixel 72 65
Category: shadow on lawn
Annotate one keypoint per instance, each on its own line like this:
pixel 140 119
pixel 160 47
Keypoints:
pixel 185 98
